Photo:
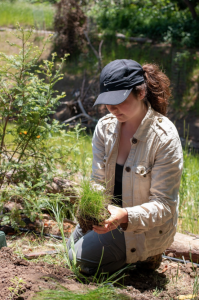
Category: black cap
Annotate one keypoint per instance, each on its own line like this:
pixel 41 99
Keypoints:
pixel 117 80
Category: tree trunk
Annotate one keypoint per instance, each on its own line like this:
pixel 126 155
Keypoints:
pixel 191 8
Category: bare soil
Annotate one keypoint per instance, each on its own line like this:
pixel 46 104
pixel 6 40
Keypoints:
pixel 168 282
pixel 36 276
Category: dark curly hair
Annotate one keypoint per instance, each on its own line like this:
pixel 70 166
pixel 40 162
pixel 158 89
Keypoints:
pixel 157 86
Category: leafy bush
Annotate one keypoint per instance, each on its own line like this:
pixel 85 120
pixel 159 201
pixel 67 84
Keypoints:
pixel 27 162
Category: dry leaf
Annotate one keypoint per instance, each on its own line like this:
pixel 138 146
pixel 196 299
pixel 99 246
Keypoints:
pixel 186 297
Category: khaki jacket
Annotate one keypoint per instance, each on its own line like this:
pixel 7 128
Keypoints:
pixel 151 180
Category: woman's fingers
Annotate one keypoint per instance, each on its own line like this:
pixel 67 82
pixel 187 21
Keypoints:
pixel 118 216
pixel 104 229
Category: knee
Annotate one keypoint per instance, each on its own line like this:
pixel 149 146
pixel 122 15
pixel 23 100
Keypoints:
pixel 70 254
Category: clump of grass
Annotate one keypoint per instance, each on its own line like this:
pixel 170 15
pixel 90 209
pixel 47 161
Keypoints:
pixel 92 206
pixel 102 293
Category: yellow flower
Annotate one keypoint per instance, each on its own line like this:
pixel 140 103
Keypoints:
pixel 38 136
pixel 25 132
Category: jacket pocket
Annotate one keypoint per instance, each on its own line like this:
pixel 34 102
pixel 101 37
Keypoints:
pixel 159 231
pixel 160 237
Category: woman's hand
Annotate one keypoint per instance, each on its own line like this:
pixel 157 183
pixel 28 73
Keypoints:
pixel 118 215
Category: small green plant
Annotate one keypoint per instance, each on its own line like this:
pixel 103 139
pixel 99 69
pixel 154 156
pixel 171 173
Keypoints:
pixel 59 214
pixel 196 286
pixel 17 287
pixel 157 292
pixel 92 206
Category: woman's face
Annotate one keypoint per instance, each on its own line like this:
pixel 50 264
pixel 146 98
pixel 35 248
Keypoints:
pixel 129 109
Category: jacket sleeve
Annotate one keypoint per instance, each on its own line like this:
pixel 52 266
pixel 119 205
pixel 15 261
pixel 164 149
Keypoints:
pixel 98 165
pixel 165 183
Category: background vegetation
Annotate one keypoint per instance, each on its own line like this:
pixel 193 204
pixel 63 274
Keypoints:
pixel 38 14
pixel 161 20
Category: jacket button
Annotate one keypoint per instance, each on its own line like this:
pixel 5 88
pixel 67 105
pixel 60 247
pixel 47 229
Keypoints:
pixel 128 169
pixel 134 141
pixel 160 232
pixel 133 250
pixel 160 120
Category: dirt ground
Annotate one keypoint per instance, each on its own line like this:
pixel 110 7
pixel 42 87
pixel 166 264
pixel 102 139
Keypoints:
pixel 168 282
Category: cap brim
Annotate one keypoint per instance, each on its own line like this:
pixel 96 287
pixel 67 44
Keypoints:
pixel 112 97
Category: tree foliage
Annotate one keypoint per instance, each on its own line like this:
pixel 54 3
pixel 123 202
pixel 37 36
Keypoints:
pixel 161 20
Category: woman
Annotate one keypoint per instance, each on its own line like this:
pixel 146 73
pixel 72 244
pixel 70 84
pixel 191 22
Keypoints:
pixel 137 154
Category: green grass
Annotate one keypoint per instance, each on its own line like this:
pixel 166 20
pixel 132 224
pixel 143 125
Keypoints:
pixel 27 14
pixel 102 293
pixel 189 194
pixel 93 203
pixel 80 153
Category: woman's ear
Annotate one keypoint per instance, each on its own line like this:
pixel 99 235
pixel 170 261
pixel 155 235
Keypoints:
pixel 142 94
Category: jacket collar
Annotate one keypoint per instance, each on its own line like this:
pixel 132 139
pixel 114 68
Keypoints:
pixel 144 128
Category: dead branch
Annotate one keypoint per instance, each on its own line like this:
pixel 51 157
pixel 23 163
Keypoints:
pixel 98 55
pixel 100 50
pixel 133 39
pixel 83 84
pixel 89 42
pixel 83 114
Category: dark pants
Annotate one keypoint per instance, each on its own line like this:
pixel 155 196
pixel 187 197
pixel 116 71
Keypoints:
pixel 91 248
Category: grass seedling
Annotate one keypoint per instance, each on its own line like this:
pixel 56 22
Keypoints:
pixel 157 292
pixel 177 273
pixel 92 206
pixel 17 287
pixel 196 287
pixel 59 216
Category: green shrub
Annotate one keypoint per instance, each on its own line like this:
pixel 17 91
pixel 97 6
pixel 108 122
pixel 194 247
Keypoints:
pixel 27 162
